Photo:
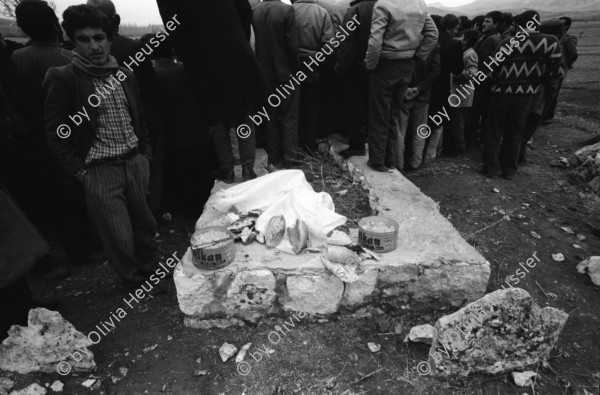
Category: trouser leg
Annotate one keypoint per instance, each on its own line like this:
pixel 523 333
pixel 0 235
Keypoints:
pixel 272 133
pixel 387 87
pixel 246 143
pixel 137 171
pixel 289 126
pixel 355 108
pixel 494 132
pixel 105 192
pixel 222 142
pixel 157 173
pixel 418 117
pixel 514 133
pixel 400 123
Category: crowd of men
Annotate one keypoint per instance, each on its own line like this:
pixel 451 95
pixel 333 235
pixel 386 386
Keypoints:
pixel 95 126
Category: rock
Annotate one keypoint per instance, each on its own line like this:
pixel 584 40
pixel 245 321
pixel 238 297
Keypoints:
pixel 589 151
pixel 534 234
pixel 592 266
pixel 201 372
pixel 496 190
pixel 227 351
pixel 421 334
pixel 523 379
pixel 33 389
pixel 567 230
pixel 242 354
pixel 89 383
pixel 558 257
pixel 384 325
pixel 595 185
pixel 199 360
pixel 150 348
pixel 398 329
pixel 374 347
pixel 57 386
pixel 6 384
pixel 581 237
pixel 503 331
pixel 48 340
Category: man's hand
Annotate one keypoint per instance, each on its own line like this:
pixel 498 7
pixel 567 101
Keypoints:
pixel 411 93
pixel 81 174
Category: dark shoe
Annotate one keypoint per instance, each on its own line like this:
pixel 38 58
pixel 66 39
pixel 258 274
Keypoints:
pixel 227 176
pixel 547 122
pixel 347 153
pixel 248 173
pixel 508 176
pixel 272 167
pixel 379 168
pixel 488 173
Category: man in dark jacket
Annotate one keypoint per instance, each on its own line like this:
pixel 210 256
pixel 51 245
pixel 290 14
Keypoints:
pixel 188 146
pixel 485 48
pixel 213 44
pixel 63 208
pixel 315 29
pixel 451 57
pixel 568 44
pixel 525 66
pixel 400 32
pixel 277 51
pixel 354 77
pixel 101 145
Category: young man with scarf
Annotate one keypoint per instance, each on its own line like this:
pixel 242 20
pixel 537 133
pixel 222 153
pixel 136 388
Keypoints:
pixel 106 147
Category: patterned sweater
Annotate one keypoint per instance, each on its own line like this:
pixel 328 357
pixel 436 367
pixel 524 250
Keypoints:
pixel 528 64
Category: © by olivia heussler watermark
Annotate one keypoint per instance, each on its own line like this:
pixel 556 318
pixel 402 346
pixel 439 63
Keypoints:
pixel 64 130
pixel 287 89
pixel 467 89
pixel 520 274
pixel 104 328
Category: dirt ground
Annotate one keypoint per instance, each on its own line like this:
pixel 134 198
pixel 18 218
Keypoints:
pixel 151 352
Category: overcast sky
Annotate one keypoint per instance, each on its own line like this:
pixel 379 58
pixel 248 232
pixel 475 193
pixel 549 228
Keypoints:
pixel 143 12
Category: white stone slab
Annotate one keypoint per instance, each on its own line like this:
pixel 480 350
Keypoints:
pixel 433 267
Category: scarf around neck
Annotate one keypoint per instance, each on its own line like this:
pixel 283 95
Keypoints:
pixel 104 71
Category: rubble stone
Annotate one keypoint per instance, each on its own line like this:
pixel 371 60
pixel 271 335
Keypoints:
pixel 421 334
pixel 591 265
pixel 33 389
pixel 502 332
pixel 48 340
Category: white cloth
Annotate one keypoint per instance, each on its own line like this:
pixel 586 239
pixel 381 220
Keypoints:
pixel 284 193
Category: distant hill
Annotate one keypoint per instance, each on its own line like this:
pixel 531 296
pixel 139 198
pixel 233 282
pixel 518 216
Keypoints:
pixel 8 28
pixel 580 8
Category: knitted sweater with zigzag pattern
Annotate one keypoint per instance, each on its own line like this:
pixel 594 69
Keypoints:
pixel 528 64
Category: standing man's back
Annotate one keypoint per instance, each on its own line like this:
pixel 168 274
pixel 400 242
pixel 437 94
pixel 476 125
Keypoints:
pixel 277 52
pixel 399 33
pixel 314 28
